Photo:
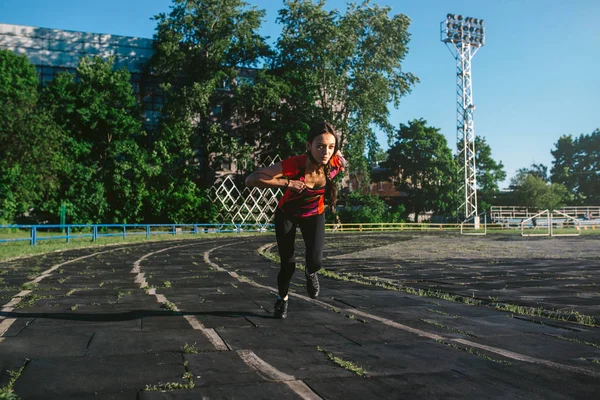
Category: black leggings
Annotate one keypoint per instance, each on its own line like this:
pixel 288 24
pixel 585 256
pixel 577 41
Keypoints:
pixel 313 233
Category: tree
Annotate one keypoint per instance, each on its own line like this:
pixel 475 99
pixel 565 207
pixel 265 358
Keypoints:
pixel 367 208
pixel 30 154
pixel 345 68
pixel 576 165
pixel 489 173
pixel 539 170
pixel 564 163
pixel 588 164
pixel 420 157
pixel 200 47
pixel 532 191
pixel 105 178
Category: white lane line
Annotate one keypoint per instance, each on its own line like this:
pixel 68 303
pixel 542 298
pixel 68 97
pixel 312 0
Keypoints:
pixel 265 369
pixel 5 322
pixel 212 336
pixel 302 390
pixel 270 373
pixel 522 357
pixel 4 325
pixel 396 325
pixel 416 331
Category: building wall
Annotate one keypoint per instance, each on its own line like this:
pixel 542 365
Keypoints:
pixel 53 51
pixel 58 48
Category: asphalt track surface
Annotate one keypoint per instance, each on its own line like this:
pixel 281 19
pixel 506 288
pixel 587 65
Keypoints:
pixel 193 320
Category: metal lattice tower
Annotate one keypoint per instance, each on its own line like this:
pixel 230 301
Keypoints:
pixel 463 37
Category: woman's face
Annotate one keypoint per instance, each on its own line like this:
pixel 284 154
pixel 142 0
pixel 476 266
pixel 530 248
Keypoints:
pixel 322 147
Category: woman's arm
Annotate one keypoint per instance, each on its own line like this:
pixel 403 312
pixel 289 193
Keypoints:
pixel 272 177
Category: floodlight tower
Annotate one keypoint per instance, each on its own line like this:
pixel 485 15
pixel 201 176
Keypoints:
pixel 463 37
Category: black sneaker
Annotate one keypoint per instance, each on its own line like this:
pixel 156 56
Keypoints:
pixel 312 284
pixel 280 309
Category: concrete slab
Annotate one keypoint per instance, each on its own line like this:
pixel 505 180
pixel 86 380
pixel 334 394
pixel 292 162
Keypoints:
pixel 55 377
pixel 259 391
pixel 220 368
pixel 66 344
pixel 108 343
pixel 256 338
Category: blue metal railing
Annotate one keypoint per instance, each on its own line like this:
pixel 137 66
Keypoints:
pixel 69 232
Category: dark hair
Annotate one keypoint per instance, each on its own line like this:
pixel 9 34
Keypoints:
pixel 330 188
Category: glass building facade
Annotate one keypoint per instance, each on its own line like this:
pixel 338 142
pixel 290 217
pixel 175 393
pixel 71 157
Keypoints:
pixel 53 51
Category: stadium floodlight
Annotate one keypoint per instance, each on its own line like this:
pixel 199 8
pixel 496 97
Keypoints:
pixel 463 37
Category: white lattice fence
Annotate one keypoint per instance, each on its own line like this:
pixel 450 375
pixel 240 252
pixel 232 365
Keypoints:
pixel 243 205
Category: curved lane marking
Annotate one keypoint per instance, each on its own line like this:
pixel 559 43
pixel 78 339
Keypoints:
pixel 210 333
pixel 6 323
pixel 264 369
pixel 416 331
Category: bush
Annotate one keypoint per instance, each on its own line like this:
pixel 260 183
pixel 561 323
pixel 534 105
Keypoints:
pixel 367 208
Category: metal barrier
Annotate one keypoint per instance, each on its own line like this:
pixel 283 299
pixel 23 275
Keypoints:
pixel 576 223
pixel 391 226
pixel 40 232
pixel 502 213
pixel 533 221
pixel 552 223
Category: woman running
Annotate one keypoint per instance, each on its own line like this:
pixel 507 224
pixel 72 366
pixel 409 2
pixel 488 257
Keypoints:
pixel 307 180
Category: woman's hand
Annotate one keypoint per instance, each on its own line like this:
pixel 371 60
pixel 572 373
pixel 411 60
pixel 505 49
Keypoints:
pixel 297 186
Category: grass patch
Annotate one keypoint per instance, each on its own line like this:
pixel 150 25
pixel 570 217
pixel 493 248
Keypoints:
pixel 443 313
pixel 29 300
pixel 7 391
pixel 349 316
pixel 348 365
pixel 191 349
pixel 434 323
pixel 167 284
pixel 121 294
pixel 474 352
pixel 29 286
pixel 188 384
pixel 570 316
pixel 170 306
pixel 596 345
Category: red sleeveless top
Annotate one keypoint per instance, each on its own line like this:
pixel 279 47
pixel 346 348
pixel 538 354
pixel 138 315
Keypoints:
pixel 309 202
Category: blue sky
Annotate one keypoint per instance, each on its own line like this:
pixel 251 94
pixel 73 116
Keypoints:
pixel 535 79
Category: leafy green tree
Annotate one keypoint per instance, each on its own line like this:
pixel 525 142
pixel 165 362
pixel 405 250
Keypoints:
pixel 200 47
pixel 589 168
pixel 105 179
pixel 539 170
pixel 489 174
pixel 565 163
pixel 532 191
pixel 424 164
pixel 31 143
pixel 345 68
pixel 367 208
pixel 576 165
